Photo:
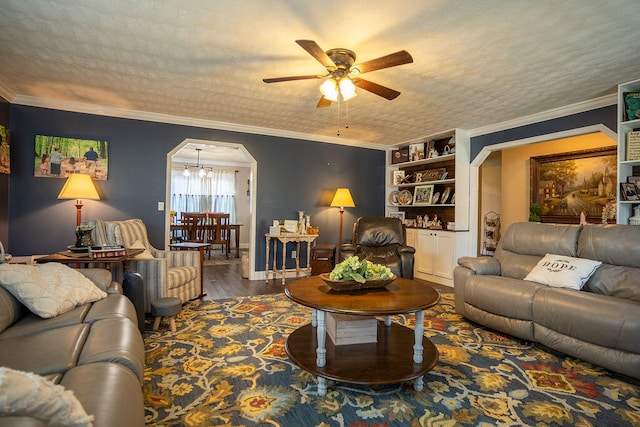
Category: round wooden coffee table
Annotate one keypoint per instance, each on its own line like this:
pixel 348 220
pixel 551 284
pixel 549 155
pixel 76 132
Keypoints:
pixel 388 361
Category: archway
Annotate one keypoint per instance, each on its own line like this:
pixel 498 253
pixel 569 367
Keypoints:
pixel 476 163
pixel 234 154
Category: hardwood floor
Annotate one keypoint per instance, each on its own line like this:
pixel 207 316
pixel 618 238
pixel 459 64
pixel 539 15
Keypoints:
pixel 223 279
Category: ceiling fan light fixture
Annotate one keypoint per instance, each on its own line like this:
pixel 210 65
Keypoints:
pixel 330 90
pixel 347 89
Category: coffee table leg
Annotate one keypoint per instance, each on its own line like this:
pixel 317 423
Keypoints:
pixel 321 351
pixel 418 384
pixel 322 386
pixel 419 333
pixel 314 317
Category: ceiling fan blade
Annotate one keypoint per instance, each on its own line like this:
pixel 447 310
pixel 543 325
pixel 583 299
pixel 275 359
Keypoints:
pixel 391 60
pixel 317 52
pixel 323 103
pixel 379 90
pixel 287 79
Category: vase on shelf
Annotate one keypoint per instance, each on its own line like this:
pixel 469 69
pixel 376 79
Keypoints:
pixel 635 219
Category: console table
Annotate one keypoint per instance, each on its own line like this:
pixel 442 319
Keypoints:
pixel 388 361
pixel 285 238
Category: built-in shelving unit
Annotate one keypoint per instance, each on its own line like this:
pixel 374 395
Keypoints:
pixel 626 167
pixel 437 250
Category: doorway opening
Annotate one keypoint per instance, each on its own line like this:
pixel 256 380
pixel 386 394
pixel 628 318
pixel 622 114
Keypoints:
pixel 489 192
pixel 220 155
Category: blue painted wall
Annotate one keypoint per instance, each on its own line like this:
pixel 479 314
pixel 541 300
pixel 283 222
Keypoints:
pixel 604 115
pixel 292 175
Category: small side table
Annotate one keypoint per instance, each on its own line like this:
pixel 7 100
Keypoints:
pixel 194 246
pixel 285 238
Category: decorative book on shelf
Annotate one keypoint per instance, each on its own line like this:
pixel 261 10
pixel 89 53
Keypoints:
pixel 345 329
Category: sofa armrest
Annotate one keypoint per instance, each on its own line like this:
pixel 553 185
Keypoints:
pixel 179 258
pixel 483 265
pixel 103 279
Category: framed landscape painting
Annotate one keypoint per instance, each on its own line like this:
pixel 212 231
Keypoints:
pixel 58 157
pixel 567 184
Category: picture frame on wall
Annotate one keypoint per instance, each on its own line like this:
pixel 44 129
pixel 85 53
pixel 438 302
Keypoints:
pixel 59 157
pixel 566 183
pixel 5 151
pixel 423 194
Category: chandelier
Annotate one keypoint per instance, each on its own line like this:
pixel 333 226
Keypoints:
pixel 202 172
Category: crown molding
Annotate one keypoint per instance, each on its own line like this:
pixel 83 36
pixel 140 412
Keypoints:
pixel 567 110
pixel 101 110
pixel 6 93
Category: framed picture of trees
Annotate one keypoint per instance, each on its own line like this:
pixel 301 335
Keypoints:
pixel 567 184
pixel 58 157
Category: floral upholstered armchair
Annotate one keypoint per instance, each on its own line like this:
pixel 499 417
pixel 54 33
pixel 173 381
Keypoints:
pixel 165 273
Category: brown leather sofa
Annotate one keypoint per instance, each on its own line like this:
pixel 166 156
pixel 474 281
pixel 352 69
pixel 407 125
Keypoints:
pixel 599 323
pixel 94 350
pixel 381 240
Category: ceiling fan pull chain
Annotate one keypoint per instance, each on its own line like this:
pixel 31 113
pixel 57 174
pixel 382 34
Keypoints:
pixel 338 133
pixel 346 106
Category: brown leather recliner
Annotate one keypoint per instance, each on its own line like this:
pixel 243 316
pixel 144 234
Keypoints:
pixel 381 240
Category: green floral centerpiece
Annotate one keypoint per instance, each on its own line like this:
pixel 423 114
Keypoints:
pixel 353 273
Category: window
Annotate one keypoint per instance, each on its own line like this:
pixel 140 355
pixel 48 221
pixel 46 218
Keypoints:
pixel 215 193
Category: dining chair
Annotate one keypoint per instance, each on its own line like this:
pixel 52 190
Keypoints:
pixel 195 225
pixel 219 231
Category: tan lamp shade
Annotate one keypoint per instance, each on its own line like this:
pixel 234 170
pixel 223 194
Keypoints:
pixel 79 186
pixel 343 199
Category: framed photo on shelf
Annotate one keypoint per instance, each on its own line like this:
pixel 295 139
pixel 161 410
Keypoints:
pixel 631 106
pixel 398 177
pixel 634 180
pixel 416 151
pixel 399 215
pixel 423 194
pixel 629 191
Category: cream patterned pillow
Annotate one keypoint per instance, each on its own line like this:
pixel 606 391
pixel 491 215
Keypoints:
pixel 30 395
pixel 48 289
pixel 561 271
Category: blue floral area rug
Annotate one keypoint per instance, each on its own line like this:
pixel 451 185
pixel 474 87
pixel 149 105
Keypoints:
pixel 226 365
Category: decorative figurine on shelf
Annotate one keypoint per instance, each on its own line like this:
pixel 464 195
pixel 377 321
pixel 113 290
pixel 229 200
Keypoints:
pixel 419 221
pixel 583 217
pixel 433 153
pixel 301 226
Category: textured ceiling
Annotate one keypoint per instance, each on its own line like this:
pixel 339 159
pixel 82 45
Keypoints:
pixel 475 63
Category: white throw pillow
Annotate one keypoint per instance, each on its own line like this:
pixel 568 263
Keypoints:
pixel 49 289
pixel 30 395
pixel 144 255
pixel 561 271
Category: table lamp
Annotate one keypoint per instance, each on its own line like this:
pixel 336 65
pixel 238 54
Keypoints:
pixel 342 199
pixel 79 186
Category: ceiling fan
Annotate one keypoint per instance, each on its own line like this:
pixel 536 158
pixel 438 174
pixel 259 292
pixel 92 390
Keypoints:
pixel 343 75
